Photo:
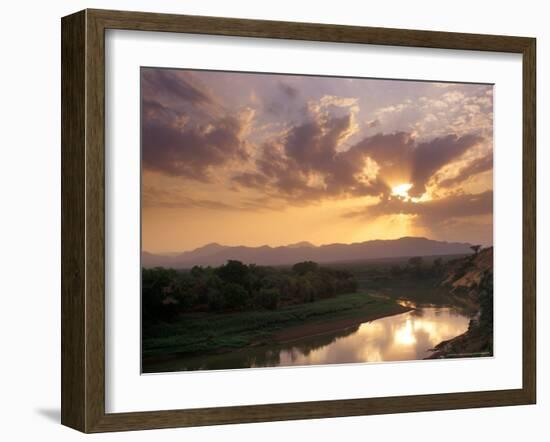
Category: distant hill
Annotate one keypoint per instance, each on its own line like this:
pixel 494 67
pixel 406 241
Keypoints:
pixel 216 254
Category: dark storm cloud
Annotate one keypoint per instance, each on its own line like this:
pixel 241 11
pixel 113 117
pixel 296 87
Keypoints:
pixel 433 211
pixel 390 151
pixel 171 83
pixel 475 167
pixel 308 162
pixel 398 154
pixel 251 179
pixel 153 110
pixel 282 102
pixel 193 150
pixel 184 131
pixel 279 174
pixel 288 91
pixel 313 146
pixel 431 156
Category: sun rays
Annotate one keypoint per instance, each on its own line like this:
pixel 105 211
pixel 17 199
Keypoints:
pixel 402 190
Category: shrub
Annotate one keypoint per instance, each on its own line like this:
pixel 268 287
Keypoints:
pixel 234 272
pixel 302 268
pixel 268 298
pixel 235 296
pixel 216 301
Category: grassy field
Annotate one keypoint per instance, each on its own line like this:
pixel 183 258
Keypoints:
pixel 210 332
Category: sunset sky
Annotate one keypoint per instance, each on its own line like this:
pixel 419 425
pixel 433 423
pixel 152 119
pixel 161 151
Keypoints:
pixel 253 159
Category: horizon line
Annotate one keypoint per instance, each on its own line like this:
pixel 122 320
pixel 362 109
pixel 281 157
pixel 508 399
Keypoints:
pixel 309 242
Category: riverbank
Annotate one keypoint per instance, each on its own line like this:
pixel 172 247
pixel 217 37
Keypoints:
pixel 214 333
pixel 313 329
pixel 471 284
pixel 475 342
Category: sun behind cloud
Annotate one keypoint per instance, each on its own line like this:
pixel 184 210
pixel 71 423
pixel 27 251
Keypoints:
pixel 271 159
pixel 402 190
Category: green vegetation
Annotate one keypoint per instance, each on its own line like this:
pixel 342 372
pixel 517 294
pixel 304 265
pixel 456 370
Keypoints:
pixel 208 309
pixel 479 337
pixel 476 274
pixel 486 301
pixel 168 293
pixel 212 332
pixel 417 279
pixel 213 310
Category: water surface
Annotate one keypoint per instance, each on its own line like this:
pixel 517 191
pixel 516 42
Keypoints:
pixel 402 337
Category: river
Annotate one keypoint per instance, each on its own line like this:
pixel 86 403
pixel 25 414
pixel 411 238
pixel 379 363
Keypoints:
pixel 402 337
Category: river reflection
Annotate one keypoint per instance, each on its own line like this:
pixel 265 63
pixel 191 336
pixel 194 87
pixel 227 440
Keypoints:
pixel 407 336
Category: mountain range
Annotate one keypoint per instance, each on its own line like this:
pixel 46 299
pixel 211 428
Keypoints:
pixel 216 254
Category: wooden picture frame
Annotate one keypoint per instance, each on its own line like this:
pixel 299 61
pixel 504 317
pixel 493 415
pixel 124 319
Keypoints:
pixel 83 220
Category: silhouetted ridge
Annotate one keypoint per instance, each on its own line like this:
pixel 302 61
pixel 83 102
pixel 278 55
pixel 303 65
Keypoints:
pixel 216 254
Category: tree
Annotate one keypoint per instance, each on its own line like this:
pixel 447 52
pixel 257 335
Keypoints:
pixel 416 263
pixel 305 290
pixel 233 272
pixel 437 267
pixel 268 298
pixel 395 270
pixel 197 271
pixel 184 292
pixel 235 296
pixel 216 300
pixel 166 293
pixel 302 268
pixel 476 248
pixel 486 300
pixel 156 283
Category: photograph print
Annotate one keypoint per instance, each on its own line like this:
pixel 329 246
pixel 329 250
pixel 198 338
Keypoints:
pixel 301 220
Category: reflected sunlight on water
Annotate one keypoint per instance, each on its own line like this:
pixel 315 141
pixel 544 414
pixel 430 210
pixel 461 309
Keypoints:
pixel 406 303
pixel 407 336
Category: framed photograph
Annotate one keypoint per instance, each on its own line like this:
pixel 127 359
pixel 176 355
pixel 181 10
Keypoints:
pixel 269 220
